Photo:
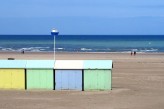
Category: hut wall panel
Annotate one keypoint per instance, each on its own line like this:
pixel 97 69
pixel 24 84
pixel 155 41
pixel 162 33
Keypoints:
pixel 5 79
pixel 39 79
pixel 12 79
pixel 68 79
pixel 97 79
pixel 18 79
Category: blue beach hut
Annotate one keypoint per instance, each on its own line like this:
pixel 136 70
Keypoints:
pixel 68 74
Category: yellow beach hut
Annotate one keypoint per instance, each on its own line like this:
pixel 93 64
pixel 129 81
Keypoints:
pixel 12 74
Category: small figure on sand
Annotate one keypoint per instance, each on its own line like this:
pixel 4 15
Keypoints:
pixel 131 53
pixel 134 53
pixel 22 51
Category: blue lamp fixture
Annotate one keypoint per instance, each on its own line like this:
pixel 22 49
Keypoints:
pixel 54 32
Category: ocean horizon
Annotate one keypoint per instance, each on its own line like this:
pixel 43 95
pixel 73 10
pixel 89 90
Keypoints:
pixel 82 43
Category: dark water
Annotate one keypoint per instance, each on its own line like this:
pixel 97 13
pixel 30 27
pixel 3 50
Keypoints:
pixel 83 43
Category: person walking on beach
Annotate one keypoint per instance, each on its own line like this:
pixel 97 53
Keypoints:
pixel 134 53
pixel 131 53
pixel 23 51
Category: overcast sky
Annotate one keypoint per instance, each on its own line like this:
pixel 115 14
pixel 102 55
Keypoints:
pixel 98 17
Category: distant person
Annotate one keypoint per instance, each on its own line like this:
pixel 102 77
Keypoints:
pixel 23 51
pixel 131 53
pixel 134 53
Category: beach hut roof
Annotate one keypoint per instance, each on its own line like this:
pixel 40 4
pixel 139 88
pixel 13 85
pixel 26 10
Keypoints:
pixel 98 64
pixel 40 64
pixel 69 64
pixel 12 63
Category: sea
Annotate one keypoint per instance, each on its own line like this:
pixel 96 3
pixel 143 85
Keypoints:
pixel 82 43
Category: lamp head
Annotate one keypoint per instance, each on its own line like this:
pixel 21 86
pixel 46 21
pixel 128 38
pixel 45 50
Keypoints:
pixel 54 32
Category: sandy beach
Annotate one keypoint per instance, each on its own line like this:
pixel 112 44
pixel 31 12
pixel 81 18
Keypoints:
pixel 138 83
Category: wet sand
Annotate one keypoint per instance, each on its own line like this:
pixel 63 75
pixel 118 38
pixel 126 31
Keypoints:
pixel 138 83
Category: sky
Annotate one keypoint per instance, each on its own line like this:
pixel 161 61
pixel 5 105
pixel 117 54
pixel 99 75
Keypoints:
pixel 82 17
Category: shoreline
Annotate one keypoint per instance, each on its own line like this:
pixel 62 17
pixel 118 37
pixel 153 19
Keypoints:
pixel 81 52
pixel 79 56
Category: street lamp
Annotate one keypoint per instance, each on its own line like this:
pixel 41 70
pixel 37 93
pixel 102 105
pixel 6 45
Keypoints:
pixel 54 33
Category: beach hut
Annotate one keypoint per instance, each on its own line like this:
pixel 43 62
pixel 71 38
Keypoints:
pixel 39 74
pixel 68 74
pixel 98 74
pixel 12 74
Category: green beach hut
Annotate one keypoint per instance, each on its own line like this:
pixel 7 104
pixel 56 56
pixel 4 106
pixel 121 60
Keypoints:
pixel 98 74
pixel 12 74
pixel 39 74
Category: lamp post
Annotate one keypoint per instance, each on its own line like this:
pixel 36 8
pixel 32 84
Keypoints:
pixel 54 33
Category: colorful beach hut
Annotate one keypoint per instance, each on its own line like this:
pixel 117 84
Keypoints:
pixel 68 74
pixel 12 74
pixel 39 74
pixel 98 74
